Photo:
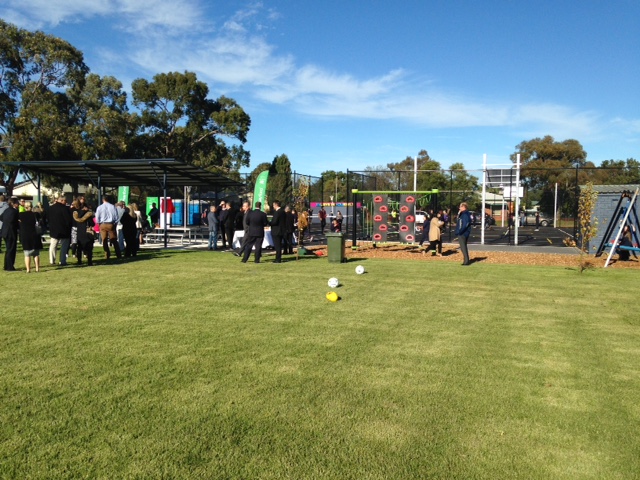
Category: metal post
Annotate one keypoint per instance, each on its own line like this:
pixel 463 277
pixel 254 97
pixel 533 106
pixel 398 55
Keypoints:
pixel 577 206
pixel 354 237
pixel 450 201
pixel 517 212
pixel 164 193
pixel 555 207
pixel 484 196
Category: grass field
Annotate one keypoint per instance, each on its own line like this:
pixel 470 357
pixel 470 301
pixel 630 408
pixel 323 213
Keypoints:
pixel 193 365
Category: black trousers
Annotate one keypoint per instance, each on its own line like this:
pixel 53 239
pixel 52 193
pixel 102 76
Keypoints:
pixel 287 243
pixel 278 245
pixel 222 235
pixel 229 231
pixel 11 245
pixel 253 241
pixel 463 248
pixel 85 246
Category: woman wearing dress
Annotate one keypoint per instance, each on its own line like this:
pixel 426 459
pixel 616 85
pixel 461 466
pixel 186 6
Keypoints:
pixel 30 237
pixel 83 220
pixel 130 231
pixel 435 233
pixel 138 217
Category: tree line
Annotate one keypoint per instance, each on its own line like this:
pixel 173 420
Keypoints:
pixel 53 108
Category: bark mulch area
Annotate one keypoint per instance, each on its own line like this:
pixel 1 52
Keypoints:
pixel 451 253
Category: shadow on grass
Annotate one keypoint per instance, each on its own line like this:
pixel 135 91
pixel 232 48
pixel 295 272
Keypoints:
pixel 141 256
pixel 477 260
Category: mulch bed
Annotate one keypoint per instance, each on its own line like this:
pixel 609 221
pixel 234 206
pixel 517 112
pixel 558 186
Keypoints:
pixel 450 253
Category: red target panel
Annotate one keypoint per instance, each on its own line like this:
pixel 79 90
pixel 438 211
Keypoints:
pixel 380 218
pixel 407 218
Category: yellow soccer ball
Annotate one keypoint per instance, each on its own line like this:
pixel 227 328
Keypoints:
pixel 332 296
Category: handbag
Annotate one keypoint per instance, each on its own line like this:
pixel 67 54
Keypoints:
pixel 91 235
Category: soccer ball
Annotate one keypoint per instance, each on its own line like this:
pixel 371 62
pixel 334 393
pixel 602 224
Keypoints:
pixel 359 269
pixel 332 296
pixel 333 282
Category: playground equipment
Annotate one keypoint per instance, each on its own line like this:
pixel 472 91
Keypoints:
pixel 391 214
pixel 624 215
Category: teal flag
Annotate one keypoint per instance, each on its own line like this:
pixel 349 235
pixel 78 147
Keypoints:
pixel 260 192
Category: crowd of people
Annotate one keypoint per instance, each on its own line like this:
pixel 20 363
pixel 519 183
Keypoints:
pixel 73 230
pixel 225 219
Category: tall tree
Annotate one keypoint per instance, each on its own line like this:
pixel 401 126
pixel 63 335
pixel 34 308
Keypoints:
pixel 107 128
pixel 619 172
pixel 36 121
pixel 280 186
pixel 179 121
pixel 462 185
pixel 544 159
pixel 257 171
pixel 334 184
pixel 547 162
pixel 429 176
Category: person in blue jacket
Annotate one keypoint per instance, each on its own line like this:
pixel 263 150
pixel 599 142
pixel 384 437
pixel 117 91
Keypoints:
pixel 463 229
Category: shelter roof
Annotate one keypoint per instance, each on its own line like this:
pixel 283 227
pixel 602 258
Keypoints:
pixel 119 173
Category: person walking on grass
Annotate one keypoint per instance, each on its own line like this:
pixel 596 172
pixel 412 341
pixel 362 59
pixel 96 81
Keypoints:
pixel 435 234
pixel 107 218
pixel 212 222
pixel 463 229
pixel 3 206
pixel 278 229
pixel 322 215
pixel 256 220
pixel 30 237
pixel 9 232
pixel 83 219
pixel 60 224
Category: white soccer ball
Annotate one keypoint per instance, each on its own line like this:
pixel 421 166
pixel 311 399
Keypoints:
pixel 359 269
pixel 333 282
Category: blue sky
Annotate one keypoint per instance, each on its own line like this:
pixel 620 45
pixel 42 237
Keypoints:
pixel 347 84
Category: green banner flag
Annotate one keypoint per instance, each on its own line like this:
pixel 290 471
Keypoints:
pixel 123 195
pixel 260 192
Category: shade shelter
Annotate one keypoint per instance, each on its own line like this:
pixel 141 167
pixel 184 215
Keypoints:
pixel 164 172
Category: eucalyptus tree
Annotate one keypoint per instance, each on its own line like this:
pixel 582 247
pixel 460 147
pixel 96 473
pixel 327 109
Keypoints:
pixel 36 115
pixel 280 186
pixel 177 120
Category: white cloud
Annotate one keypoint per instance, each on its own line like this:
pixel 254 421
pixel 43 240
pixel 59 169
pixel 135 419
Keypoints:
pixel 166 35
pixel 134 15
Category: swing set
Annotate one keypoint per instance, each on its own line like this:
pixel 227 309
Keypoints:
pixel 625 215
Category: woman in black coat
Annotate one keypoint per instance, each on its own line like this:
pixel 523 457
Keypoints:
pixel 30 237
pixel 130 232
pixel 83 220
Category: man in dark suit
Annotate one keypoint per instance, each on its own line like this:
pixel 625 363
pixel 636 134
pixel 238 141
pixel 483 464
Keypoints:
pixel 10 234
pixel 60 223
pixel 278 229
pixel 257 220
pixel 289 229
pixel 230 224
pixel 245 211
